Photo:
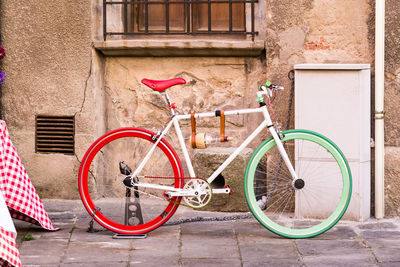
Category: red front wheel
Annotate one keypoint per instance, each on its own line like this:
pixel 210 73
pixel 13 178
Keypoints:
pixel 101 182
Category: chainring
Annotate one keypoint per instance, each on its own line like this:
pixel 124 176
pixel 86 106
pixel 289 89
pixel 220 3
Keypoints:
pixel 203 192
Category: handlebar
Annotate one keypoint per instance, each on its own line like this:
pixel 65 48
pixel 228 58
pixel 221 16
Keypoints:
pixel 268 89
pixel 269 85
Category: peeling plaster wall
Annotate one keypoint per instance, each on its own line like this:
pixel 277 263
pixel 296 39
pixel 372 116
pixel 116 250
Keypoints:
pixel 48 69
pixel 212 83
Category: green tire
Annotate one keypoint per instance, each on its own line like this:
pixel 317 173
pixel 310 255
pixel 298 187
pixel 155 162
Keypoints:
pixel 308 207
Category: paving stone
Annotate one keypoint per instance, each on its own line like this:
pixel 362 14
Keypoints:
pixel 95 264
pixel 43 246
pixel 208 229
pixel 390 264
pixel 165 231
pixel 387 254
pixel 338 232
pixel 252 228
pixel 330 247
pixel 197 246
pixel 268 250
pixel 79 234
pixel 97 252
pixel 161 247
pixel 82 221
pixel 274 262
pixel 42 251
pixel 154 260
pixel 60 216
pixel 211 262
pixel 383 243
pixel 40 260
pixel 378 225
pixel 380 234
pixel 64 232
pixel 345 260
pixel 246 240
pixel 208 240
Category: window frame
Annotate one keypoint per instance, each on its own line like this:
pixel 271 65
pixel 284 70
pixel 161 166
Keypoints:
pixel 124 5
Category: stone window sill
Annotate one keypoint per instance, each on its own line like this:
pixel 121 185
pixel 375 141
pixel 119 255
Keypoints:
pixel 163 48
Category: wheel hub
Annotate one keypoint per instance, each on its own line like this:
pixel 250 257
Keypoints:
pixel 299 184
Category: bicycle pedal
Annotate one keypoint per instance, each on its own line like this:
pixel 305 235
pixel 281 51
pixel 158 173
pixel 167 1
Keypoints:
pixel 218 182
pixel 230 189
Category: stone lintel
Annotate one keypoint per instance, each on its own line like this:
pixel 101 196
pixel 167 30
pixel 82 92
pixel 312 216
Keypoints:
pixel 163 48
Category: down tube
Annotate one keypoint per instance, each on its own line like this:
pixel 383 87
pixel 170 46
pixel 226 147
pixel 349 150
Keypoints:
pixel 237 151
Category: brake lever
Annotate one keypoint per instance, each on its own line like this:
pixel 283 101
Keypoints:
pixel 277 87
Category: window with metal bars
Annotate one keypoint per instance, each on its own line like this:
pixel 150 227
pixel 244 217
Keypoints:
pixel 55 134
pixel 180 17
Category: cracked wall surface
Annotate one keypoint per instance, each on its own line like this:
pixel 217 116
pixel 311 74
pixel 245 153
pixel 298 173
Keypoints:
pixel 53 69
pixel 48 66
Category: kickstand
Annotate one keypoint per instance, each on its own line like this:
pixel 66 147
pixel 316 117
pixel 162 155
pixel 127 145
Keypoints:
pixel 91 229
pixel 133 214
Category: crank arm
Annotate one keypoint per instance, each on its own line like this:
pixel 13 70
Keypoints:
pixel 181 193
pixel 226 190
pixel 169 190
pixel 156 186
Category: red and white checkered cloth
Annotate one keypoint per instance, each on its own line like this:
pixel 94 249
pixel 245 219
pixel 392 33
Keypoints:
pixel 9 255
pixel 19 194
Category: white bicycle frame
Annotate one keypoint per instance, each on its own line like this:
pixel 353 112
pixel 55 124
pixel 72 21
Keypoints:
pixel 267 122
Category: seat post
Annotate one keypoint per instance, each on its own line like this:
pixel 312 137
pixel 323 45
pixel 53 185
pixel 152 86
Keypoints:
pixel 168 101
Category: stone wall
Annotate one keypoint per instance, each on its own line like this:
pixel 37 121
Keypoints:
pixel 392 98
pixel 212 83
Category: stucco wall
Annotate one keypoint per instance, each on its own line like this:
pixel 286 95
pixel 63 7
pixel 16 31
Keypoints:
pixel 47 65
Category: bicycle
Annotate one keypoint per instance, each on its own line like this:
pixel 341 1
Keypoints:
pixel 283 190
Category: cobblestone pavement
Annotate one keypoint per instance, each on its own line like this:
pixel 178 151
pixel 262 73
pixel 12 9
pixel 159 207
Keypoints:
pixel 229 243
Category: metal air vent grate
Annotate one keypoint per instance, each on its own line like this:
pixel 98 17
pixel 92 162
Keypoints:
pixel 55 134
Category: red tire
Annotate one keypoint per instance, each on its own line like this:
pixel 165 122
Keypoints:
pixel 101 182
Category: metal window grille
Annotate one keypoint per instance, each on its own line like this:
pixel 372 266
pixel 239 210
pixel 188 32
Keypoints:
pixel 188 5
pixel 55 134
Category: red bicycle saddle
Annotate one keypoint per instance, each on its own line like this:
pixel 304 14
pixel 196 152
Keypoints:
pixel 162 85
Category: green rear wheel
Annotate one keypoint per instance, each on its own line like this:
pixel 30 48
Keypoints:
pixel 308 206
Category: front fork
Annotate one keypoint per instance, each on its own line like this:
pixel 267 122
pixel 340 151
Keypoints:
pixel 279 144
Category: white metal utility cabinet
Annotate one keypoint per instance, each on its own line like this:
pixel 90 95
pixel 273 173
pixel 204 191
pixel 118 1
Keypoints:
pixel 334 100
